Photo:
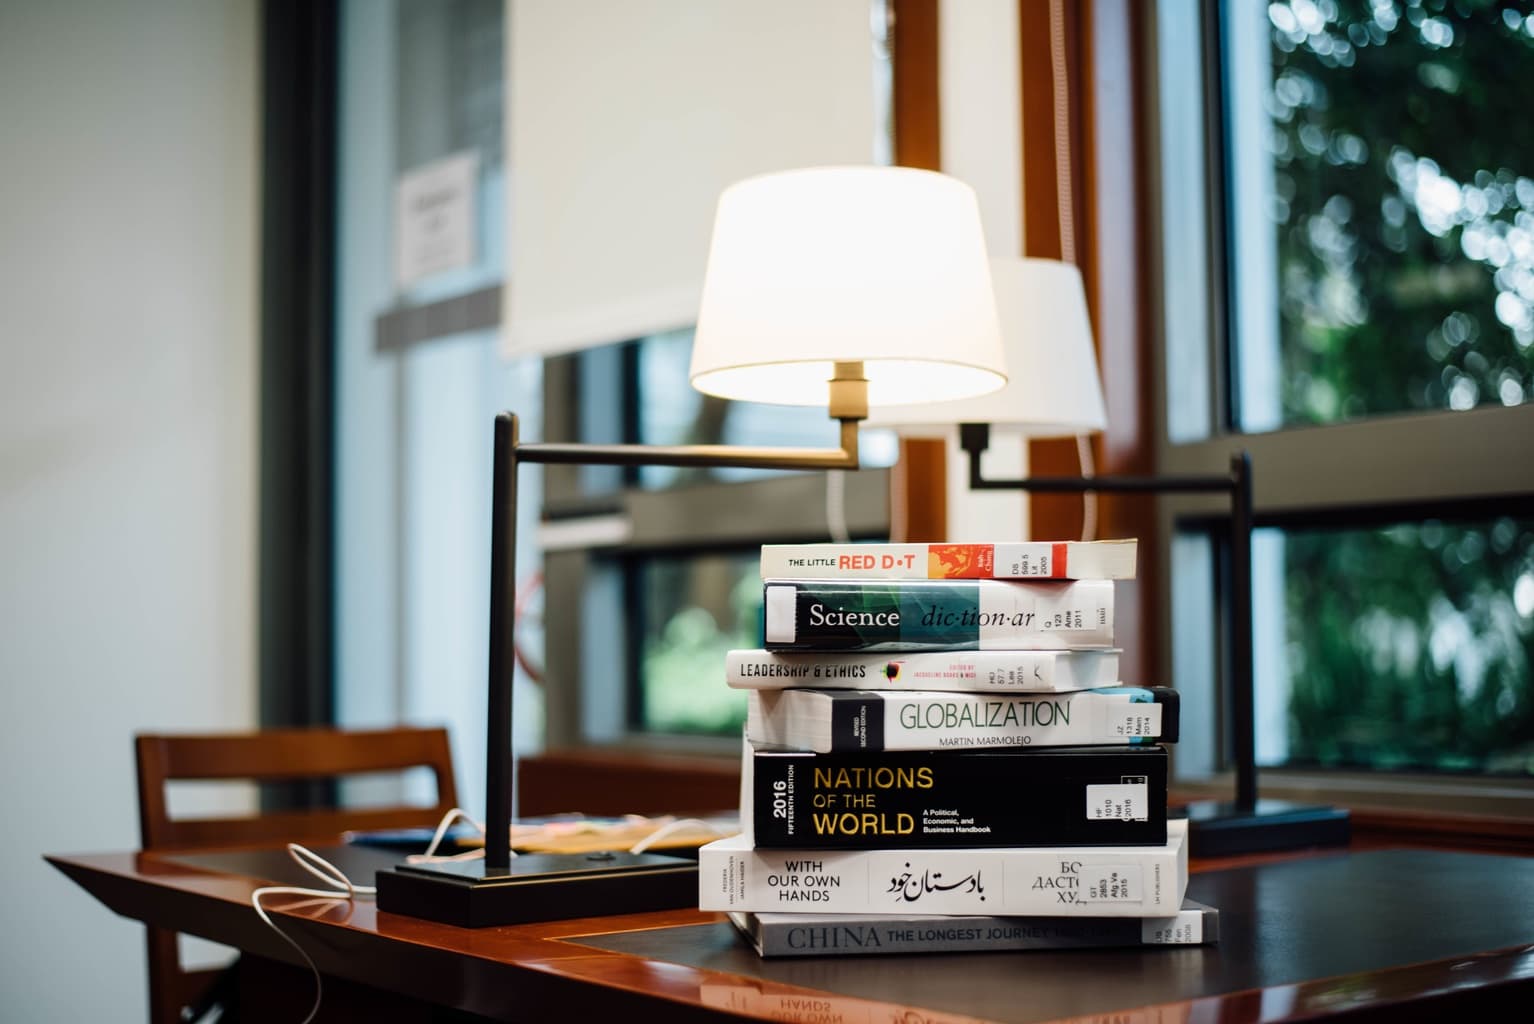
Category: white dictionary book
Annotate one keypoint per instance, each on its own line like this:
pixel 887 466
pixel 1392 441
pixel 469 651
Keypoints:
pixel 1020 560
pixel 801 934
pixel 1088 881
pixel 990 671
pixel 936 615
pixel 830 720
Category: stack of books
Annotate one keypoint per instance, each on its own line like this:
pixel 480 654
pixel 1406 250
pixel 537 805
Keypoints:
pixel 939 756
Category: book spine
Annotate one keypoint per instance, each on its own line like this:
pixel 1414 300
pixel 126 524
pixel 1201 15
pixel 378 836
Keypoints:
pixel 1107 560
pixel 838 721
pixel 1121 882
pixel 1099 796
pixel 999 671
pixel 936 615
pixel 782 935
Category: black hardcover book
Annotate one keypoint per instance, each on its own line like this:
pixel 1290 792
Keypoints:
pixel 1059 796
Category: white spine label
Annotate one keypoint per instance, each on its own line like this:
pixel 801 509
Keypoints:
pixel 1118 802
pixel 1111 883
pixel 1026 559
pixel 1134 719
pixel 1065 612
pixel 780 613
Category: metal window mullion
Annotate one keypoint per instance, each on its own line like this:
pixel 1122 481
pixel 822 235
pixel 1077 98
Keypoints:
pixel 1408 460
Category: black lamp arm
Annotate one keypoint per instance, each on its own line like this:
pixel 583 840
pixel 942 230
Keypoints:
pixel 510 453
pixel 974 438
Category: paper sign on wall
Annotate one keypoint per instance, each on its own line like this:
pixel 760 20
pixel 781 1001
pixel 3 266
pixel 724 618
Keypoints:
pixel 434 218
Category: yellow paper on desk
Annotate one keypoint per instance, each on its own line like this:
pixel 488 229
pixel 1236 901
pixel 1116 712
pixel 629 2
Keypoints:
pixel 591 835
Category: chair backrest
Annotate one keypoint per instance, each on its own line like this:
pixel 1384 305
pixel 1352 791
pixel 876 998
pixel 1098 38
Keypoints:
pixel 285 755
pixel 275 755
pixel 626 782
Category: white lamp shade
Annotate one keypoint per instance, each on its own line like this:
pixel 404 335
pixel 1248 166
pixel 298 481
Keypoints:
pixel 1053 388
pixel 885 265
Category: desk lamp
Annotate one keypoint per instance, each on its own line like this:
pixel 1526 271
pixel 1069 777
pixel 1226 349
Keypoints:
pixel 1053 390
pixel 847 287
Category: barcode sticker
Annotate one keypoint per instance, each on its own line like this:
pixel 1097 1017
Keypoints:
pixel 1111 883
pixel 1134 720
pixel 1118 802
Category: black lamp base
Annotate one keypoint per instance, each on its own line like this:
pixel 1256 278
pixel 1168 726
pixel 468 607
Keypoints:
pixel 538 887
pixel 1218 828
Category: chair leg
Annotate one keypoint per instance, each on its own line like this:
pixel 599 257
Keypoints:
pixel 164 967
pixel 172 990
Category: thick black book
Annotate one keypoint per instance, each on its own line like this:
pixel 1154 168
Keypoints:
pixel 1056 796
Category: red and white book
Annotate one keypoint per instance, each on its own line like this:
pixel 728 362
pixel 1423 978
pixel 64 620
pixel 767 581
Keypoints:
pixel 1019 560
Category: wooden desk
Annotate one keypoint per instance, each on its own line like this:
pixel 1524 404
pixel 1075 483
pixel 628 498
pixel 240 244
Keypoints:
pixel 1385 935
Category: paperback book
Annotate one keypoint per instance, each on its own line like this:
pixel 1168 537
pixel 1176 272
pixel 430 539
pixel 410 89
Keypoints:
pixel 1062 560
pixel 798 934
pixel 991 671
pixel 1089 881
pixel 828 721
pixel 1063 796
pixel 914 615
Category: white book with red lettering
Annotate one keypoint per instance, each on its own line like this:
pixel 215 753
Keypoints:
pixel 1020 560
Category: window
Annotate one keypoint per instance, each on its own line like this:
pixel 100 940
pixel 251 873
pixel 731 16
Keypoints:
pixel 663 562
pixel 1347 243
pixel 419 381
pixel 1387 211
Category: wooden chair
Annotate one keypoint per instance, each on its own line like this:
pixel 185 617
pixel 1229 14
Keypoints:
pixel 278 755
pixel 597 781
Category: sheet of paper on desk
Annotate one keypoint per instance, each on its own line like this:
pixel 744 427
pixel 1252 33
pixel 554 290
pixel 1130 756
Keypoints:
pixel 589 835
pixel 569 833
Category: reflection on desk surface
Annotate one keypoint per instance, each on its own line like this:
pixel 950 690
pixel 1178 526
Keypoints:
pixel 1280 924
pixel 1300 938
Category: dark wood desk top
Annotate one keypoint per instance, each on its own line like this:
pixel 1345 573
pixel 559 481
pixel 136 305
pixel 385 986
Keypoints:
pixel 1387 935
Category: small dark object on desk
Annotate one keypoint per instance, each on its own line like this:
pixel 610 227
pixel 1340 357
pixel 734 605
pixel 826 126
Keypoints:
pixel 538 887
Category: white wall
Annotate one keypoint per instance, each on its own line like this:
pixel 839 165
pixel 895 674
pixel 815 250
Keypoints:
pixel 128 379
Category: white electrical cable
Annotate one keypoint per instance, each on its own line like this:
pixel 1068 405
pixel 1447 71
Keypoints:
pixel 1088 498
pixel 671 828
pixel 899 499
pixel 836 506
pixel 342 889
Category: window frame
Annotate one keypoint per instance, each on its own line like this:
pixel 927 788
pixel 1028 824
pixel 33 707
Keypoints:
pixel 590 694
pixel 1372 471
pixel 713 517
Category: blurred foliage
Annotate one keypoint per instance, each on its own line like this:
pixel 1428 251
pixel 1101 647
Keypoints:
pixel 694 611
pixel 1404 204
pixel 1404 210
pixel 1411 647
